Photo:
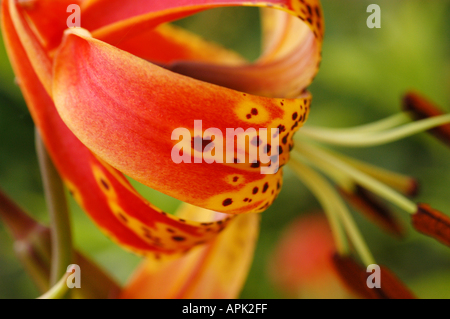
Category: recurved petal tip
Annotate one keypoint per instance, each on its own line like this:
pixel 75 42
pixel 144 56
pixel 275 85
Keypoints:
pixel 432 223
pixel 422 108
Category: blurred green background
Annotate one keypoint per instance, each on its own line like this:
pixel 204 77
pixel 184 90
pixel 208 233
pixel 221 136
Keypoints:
pixel 362 78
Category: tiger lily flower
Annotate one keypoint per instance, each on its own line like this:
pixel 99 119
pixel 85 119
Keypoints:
pixel 105 105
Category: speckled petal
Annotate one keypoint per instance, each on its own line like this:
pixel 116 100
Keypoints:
pixel 215 270
pixel 126 109
pixel 102 191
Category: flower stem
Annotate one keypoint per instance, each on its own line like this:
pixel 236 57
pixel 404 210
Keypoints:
pixel 62 254
pixel 365 139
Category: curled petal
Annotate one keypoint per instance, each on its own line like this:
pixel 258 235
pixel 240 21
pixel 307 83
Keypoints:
pixel 126 110
pixel 35 51
pixel 168 43
pixel 51 28
pixel 290 60
pixel 215 270
pixel 103 192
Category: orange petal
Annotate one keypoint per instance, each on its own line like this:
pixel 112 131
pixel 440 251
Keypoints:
pixel 35 51
pixel 285 70
pixel 287 66
pixel 170 43
pixel 216 270
pixel 102 191
pixel 48 19
pixel 125 110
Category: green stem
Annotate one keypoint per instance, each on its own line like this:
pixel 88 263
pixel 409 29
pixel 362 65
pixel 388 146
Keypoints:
pixel 62 254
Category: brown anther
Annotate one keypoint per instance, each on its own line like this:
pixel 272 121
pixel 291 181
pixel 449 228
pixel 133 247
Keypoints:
pixel 354 276
pixel 374 209
pixel 422 108
pixel 433 223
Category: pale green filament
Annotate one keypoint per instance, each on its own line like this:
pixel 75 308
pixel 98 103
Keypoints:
pixel 401 183
pixel 59 290
pixel 380 125
pixel 364 139
pixel 335 209
pixel 328 163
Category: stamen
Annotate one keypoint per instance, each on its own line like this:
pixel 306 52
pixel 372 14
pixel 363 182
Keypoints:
pixel 402 183
pixel 369 205
pixel 380 125
pixel 355 277
pixel 327 163
pixel 373 138
pixel 315 185
pixel 421 108
pixel 432 223
pixel 333 204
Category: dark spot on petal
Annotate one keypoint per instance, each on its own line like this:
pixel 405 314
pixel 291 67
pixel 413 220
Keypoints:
pixel 227 202
pixel 123 217
pixel 255 190
pixel 104 183
pixel 178 238
pixel 235 179
pixel 256 165
pixel 265 187
pixel 294 116
pixel 255 141
pixel 254 111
